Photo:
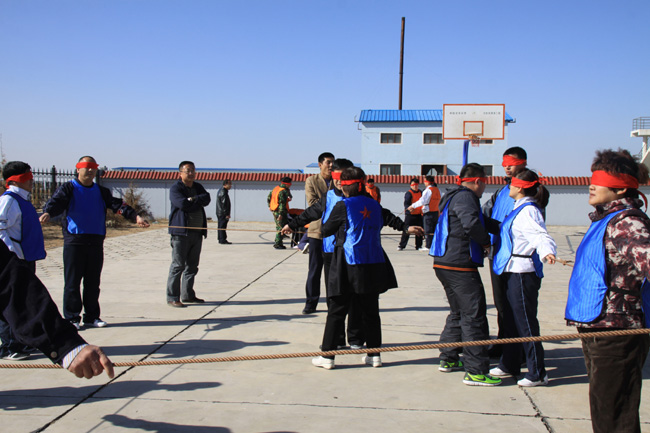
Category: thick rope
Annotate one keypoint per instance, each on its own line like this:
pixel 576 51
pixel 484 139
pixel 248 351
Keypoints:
pixel 584 335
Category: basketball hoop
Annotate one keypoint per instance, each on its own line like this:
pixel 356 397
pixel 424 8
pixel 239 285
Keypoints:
pixel 475 140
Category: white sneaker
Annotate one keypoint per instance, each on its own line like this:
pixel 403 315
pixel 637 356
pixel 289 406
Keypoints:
pixel 305 250
pixel 325 363
pixel 496 371
pixel 526 382
pixel 98 323
pixel 400 249
pixel 375 361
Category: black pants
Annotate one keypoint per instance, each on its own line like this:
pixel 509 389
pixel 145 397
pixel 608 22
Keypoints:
pixel 222 223
pixel 520 320
pixel 467 319
pixel 367 308
pixel 9 343
pixel 430 220
pixel 614 367
pixel 82 262
pixel 312 286
pixel 499 296
pixel 355 322
pixel 411 220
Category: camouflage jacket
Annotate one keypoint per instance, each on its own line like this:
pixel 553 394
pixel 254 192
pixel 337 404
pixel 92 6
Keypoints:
pixel 284 197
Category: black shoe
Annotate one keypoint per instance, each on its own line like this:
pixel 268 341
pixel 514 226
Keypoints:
pixel 194 300
pixel 308 310
pixel 279 247
pixel 225 243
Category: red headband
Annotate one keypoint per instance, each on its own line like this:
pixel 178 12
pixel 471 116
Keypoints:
pixel 336 175
pixel 519 183
pixel 415 183
pixel 509 160
pixel 352 182
pixel 460 180
pixel 87 164
pixel 19 178
pixel 285 183
pixel 611 180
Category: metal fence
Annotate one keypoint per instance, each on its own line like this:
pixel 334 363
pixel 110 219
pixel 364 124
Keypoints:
pixel 641 123
pixel 46 182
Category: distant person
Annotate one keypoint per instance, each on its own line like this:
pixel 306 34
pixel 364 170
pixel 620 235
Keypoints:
pixel 21 231
pixel 278 202
pixel 412 217
pixel 360 269
pixel 84 229
pixel 460 243
pixel 608 291
pixel 498 207
pixel 429 201
pixel 373 190
pixel 34 319
pixel 524 244
pixel 188 226
pixel 223 211
pixel 316 188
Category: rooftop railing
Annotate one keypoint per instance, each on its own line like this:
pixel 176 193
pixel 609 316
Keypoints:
pixel 641 123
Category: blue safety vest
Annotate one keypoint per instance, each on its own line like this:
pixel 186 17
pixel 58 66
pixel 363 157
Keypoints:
pixel 504 245
pixel 31 237
pixel 503 205
pixel 441 234
pixel 87 210
pixel 588 285
pixel 331 199
pixel 362 244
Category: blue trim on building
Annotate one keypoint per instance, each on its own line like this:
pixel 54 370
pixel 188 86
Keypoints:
pixel 215 170
pixel 406 116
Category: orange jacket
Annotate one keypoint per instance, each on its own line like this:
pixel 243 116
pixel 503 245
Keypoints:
pixel 434 201
pixel 374 192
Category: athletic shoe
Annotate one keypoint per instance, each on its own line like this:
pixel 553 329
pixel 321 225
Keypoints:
pixel 481 380
pixel 279 247
pixel 496 371
pixel 356 346
pixel 305 250
pixel 325 363
pixel 98 323
pixel 16 356
pixel 375 361
pixel 78 326
pixel 447 367
pixel 400 249
pixel 526 382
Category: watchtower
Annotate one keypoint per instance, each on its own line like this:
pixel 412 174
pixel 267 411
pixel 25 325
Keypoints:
pixel 641 128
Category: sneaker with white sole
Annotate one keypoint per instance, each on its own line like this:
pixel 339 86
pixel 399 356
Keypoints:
pixel 480 380
pixel 325 363
pixel 400 249
pixel 305 250
pixel 527 382
pixel 496 371
pixel 356 346
pixel 447 367
pixel 98 323
pixel 16 356
pixel 375 361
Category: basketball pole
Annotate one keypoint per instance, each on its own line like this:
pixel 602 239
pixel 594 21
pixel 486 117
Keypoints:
pixel 465 152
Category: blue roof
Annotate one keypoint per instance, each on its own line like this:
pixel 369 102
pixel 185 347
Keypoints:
pixel 214 170
pixel 406 116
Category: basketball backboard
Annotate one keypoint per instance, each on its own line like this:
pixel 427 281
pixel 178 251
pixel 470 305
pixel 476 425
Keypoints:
pixel 462 121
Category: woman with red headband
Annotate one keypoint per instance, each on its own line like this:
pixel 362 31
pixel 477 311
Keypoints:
pixel 523 240
pixel 608 290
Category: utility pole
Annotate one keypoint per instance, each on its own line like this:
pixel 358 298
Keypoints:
pixel 401 64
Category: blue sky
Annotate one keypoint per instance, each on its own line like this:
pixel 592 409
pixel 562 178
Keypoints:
pixel 251 84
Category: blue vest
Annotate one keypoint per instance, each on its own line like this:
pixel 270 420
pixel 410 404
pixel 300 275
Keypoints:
pixel 504 244
pixel 31 237
pixel 587 286
pixel 441 235
pixel 331 200
pixel 503 205
pixel 362 244
pixel 87 210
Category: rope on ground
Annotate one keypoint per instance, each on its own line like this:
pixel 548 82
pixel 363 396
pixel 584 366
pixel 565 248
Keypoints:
pixel 583 335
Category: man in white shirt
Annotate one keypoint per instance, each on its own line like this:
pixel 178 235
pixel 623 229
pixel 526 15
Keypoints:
pixel 429 202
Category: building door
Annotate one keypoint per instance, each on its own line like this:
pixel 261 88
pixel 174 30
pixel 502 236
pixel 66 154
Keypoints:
pixel 434 170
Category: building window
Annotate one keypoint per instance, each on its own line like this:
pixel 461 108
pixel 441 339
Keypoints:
pixel 434 170
pixel 390 138
pixel 487 141
pixel 390 169
pixel 489 169
pixel 432 139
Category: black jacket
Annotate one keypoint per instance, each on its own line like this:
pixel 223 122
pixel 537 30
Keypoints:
pixel 223 203
pixel 179 195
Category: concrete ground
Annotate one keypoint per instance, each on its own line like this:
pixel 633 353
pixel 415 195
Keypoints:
pixel 255 295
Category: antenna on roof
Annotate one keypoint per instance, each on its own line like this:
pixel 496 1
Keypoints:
pixel 401 64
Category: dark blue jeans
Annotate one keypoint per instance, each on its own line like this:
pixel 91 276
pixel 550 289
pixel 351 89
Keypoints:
pixel 186 252
pixel 430 221
pixel 520 320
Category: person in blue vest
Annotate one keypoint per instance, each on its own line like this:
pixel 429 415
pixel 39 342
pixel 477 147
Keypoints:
pixel 321 210
pixel 459 245
pixel 21 232
pixel 523 243
pixel 360 268
pixel 608 290
pixel 498 207
pixel 84 229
